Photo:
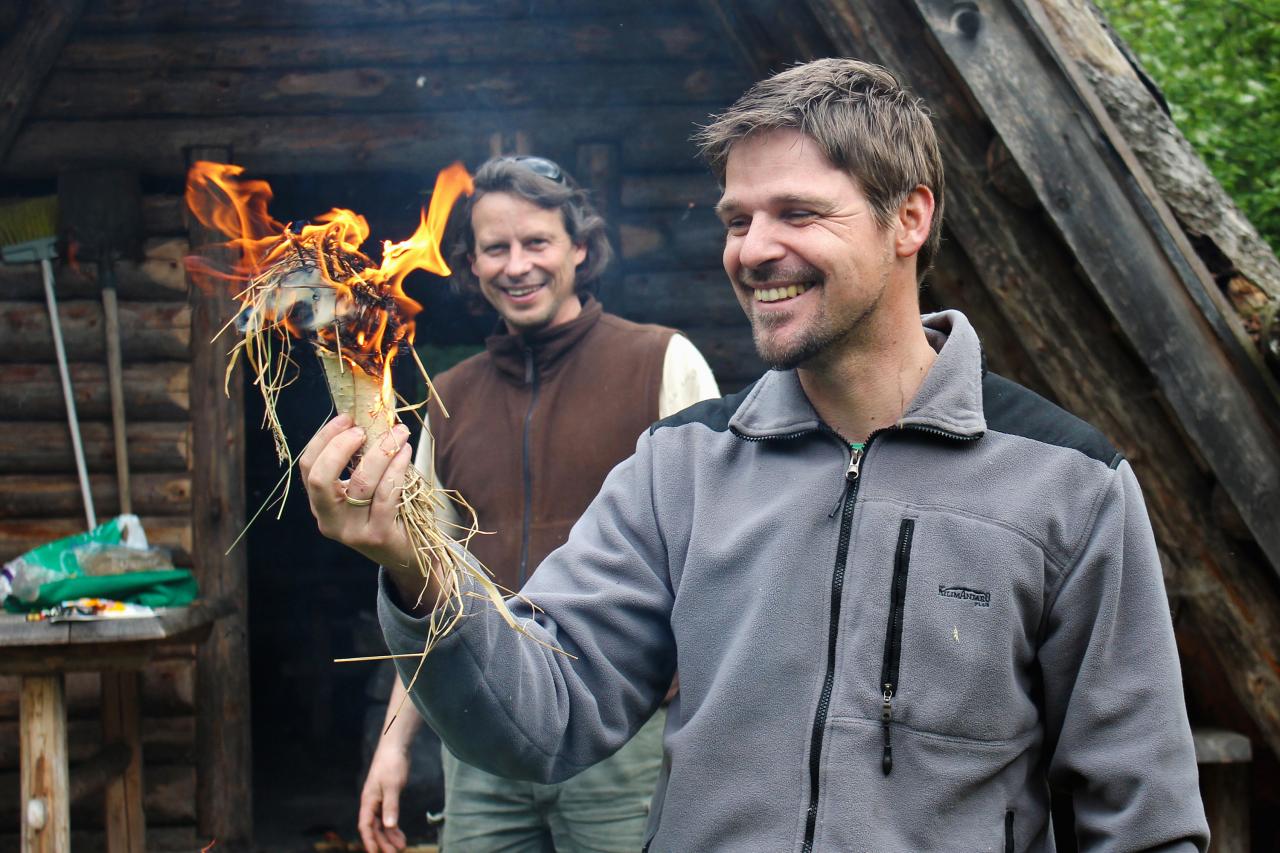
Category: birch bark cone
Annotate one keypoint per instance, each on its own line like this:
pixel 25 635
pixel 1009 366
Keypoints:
pixel 357 394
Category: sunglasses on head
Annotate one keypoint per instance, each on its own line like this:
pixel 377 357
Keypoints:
pixel 540 166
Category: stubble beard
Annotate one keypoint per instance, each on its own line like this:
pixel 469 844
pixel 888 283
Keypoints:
pixel 818 340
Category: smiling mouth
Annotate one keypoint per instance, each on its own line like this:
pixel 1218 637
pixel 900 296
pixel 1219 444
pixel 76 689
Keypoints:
pixel 778 294
pixel 519 292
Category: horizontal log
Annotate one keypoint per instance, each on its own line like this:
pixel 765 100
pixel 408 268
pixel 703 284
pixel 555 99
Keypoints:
pixel 164 216
pixel 53 495
pixel 150 331
pixel 680 190
pixel 678 298
pixel 650 139
pixel 156 391
pixel 165 740
pixel 608 37
pixel 19 535
pixel 91 775
pixel 160 839
pixel 691 239
pixel 159 277
pixel 168 690
pixel 342 14
pixel 168 796
pixel 419 88
pixel 45 446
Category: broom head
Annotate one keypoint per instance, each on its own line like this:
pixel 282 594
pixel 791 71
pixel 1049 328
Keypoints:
pixel 28 230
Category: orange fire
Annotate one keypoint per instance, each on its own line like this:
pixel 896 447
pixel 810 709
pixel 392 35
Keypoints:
pixel 311 279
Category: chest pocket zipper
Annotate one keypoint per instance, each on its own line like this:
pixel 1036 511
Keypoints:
pixel 889 684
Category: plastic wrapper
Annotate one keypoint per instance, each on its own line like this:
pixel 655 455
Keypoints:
pixel 110 548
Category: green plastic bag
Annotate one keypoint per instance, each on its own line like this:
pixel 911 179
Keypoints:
pixel 172 588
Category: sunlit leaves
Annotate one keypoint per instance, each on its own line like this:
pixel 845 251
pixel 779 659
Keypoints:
pixel 1218 64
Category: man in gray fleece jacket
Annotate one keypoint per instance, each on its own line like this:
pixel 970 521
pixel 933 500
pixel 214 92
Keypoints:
pixel 904 595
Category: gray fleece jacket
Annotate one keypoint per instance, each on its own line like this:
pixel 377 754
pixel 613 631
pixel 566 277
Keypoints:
pixel 888 650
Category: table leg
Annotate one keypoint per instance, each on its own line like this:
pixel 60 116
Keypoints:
pixel 126 824
pixel 46 810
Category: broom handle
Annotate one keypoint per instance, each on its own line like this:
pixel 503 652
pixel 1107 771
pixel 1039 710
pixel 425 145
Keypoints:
pixel 111 317
pixel 72 421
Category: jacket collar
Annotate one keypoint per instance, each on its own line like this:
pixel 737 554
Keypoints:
pixel 950 399
pixel 548 346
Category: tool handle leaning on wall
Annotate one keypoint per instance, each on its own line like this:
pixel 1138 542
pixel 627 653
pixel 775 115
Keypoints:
pixel 64 374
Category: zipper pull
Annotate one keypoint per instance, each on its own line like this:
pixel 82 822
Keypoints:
pixel 886 714
pixel 528 365
pixel 855 461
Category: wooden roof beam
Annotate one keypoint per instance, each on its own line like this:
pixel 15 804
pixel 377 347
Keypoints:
pixel 27 57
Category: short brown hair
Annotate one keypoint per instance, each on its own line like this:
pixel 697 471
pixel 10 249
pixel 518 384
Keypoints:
pixel 862 117
pixel 583 224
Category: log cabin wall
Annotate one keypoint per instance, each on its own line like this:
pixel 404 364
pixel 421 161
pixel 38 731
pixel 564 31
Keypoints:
pixel 40 496
pixel 308 91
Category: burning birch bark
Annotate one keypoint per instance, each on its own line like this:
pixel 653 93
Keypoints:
pixel 311 282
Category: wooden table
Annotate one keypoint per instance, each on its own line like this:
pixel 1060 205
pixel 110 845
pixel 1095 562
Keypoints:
pixel 41 652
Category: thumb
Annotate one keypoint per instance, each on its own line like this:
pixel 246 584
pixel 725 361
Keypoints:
pixel 391 808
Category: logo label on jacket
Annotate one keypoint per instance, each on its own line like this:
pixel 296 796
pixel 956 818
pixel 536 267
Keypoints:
pixel 963 593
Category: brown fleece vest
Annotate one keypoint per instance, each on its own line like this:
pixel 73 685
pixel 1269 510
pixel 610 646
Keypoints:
pixel 537 423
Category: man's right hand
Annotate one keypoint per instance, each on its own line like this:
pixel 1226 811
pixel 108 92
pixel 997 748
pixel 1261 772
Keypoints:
pixel 379 821
pixel 372 529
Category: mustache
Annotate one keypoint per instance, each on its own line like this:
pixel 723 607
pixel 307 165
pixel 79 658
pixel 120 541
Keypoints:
pixel 767 274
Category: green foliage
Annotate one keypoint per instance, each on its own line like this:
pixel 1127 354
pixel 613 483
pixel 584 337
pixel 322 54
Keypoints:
pixel 1218 64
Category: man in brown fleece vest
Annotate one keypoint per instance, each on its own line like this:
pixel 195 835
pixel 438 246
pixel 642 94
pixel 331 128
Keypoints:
pixel 538 420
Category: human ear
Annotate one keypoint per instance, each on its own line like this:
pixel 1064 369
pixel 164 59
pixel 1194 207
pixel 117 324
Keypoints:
pixel 471 261
pixel 915 216
pixel 579 254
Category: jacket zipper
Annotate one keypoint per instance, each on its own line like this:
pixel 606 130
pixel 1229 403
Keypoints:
pixel 851 474
pixel 850 493
pixel 1008 832
pixel 526 464
pixel 893 637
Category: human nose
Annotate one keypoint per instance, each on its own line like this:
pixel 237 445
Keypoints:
pixel 518 262
pixel 759 245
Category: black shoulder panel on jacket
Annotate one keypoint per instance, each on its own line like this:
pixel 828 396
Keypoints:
pixel 1012 409
pixel 712 413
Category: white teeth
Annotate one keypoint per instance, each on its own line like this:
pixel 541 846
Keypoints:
pixel 775 294
pixel 524 291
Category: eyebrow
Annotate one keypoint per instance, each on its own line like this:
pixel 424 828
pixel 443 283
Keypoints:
pixel 728 205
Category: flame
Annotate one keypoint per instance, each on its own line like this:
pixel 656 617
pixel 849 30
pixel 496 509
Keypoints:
pixel 311 279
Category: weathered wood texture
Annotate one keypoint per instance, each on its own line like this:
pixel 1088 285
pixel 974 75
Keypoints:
pixel 121 727
pixel 165 740
pixel 1183 180
pixel 218 516
pixel 327 145
pixel 421 88
pixel 48 495
pixel 30 447
pixel 44 778
pixel 1137 261
pixel 163 14
pixel 603 37
pixel 158 277
pixel 155 331
pixel 168 798
pixel 157 391
pixel 26 56
pixel 1029 275
pixel 160 839
pixel 168 692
